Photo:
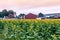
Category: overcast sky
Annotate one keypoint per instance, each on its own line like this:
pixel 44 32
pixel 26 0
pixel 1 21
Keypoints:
pixel 33 6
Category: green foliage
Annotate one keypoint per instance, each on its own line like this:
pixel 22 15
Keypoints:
pixel 31 29
pixel 40 15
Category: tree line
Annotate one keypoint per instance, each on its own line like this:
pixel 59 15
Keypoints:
pixel 5 13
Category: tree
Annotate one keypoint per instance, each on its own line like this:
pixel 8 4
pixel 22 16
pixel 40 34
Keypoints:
pixel 11 13
pixel 1 15
pixel 40 15
pixel 4 12
pixel 21 16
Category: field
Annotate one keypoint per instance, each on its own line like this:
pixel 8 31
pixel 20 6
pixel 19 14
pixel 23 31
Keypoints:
pixel 30 29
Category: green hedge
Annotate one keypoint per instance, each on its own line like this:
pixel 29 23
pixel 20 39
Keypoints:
pixel 30 29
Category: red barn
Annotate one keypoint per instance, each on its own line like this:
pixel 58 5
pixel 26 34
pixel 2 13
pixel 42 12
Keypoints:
pixel 30 16
pixel 10 16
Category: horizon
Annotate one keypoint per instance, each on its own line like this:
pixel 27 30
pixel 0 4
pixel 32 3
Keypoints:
pixel 31 6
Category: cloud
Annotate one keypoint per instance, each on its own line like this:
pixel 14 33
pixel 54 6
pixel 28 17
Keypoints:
pixel 22 4
pixel 33 3
pixel 28 3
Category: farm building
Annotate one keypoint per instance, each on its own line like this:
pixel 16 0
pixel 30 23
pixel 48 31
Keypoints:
pixel 30 16
pixel 53 15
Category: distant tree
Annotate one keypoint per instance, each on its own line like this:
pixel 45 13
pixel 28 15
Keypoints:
pixel 40 15
pixel 4 12
pixel 1 15
pixel 21 15
pixel 11 13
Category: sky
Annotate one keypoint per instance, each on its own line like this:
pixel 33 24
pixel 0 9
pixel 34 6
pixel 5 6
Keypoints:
pixel 33 6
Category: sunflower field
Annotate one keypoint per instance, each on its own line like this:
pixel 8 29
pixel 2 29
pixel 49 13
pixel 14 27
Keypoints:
pixel 32 29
